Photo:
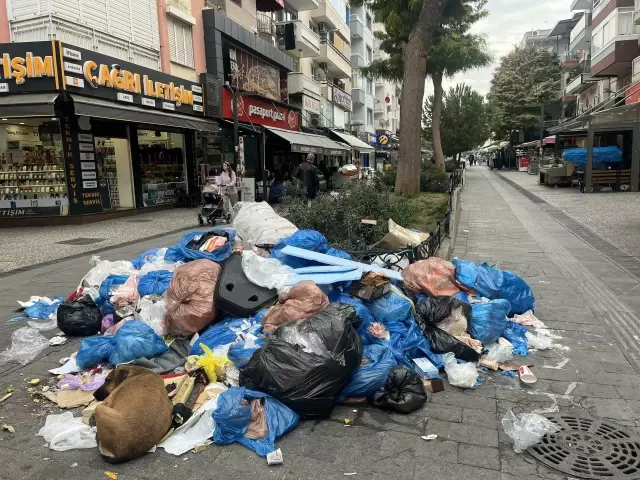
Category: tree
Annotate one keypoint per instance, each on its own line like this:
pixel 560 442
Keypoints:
pixel 526 77
pixel 463 119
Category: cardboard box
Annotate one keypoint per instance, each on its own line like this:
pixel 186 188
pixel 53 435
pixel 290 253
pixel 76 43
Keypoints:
pixel 371 287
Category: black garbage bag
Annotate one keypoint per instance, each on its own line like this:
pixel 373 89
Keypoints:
pixel 448 313
pixel 444 342
pixel 403 392
pixel 307 363
pixel 79 318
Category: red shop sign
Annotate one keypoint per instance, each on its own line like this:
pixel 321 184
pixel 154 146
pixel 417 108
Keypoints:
pixel 260 112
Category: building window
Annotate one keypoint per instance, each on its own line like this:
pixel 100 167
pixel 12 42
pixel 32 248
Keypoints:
pixel 369 116
pixel 369 55
pixel 369 22
pixel 180 42
pixel 285 16
pixel 237 2
pixel 370 86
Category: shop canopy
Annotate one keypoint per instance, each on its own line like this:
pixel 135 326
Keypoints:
pixel 32 105
pixel 93 107
pixel 354 142
pixel 308 143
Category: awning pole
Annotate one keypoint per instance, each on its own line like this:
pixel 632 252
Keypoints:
pixel 635 158
pixel 589 167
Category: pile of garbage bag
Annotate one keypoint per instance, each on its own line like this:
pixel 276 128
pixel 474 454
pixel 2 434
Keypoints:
pixel 249 339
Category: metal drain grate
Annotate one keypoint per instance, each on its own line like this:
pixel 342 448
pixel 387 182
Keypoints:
pixel 590 448
pixel 80 241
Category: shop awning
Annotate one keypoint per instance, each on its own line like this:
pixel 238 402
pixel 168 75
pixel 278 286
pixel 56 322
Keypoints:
pixel 93 107
pixel 355 142
pixel 28 105
pixel 308 143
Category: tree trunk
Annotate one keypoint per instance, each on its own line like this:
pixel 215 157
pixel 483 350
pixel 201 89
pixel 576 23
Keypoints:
pixel 435 122
pixel 415 70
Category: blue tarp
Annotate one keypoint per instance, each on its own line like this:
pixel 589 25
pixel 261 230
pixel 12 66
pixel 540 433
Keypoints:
pixel 600 155
pixel 181 253
pixel 144 258
pixel 154 283
pixel 228 330
pixel 372 374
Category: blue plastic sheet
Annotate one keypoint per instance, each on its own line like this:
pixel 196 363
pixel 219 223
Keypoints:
pixel 371 375
pixel 600 155
pixel 154 283
pixel 240 352
pixel 133 340
pixel 390 307
pixel 42 310
pixel 144 258
pixel 493 283
pixel 489 320
pixel 228 331
pixel 181 253
pixel 309 240
pixel 106 289
pixel 516 334
pixel 232 419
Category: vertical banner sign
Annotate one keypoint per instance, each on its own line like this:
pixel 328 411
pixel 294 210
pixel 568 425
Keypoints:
pixel 80 165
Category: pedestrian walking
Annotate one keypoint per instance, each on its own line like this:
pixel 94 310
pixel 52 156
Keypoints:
pixel 228 188
pixel 307 173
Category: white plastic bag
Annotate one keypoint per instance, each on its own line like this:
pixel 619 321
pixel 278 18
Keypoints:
pixel 526 430
pixel 499 352
pixel 63 432
pixel 463 375
pixel 539 342
pixel 528 319
pixel 198 429
pixel 259 224
pixel 265 272
pixel 26 344
pixel 102 269
pixel 153 315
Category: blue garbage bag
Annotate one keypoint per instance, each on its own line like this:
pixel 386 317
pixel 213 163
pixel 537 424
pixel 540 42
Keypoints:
pixel 232 419
pixel 144 258
pixel 182 253
pixel 240 352
pixel 493 283
pixel 133 340
pixel 228 331
pixel 372 374
pixel 361 309
pixel 154 283
pixel 390 307
pixel 42 310
pixel 308 240
pixel 489 320
pixel 516 334
pixel 107 287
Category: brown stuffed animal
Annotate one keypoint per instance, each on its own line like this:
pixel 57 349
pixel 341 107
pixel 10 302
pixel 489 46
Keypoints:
pixel 135 415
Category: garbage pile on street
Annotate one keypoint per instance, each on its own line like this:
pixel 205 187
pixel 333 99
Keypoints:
pixel 235 334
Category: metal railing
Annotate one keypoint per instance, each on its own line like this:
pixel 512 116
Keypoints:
pixel 265 24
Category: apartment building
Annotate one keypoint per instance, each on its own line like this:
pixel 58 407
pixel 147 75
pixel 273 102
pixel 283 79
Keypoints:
pixel 362 88
pixel 386 109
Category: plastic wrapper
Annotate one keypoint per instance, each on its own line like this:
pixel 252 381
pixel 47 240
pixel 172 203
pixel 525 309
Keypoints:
pixel 133 340
pixel 308 240
pixel 43 309
pixel 189 300
pixel 26 344
pixel 463 375
pixel 145 257
pixel 101 269
pixel 233 416
pixel 259 224
pixel 493 283
pixel 377 360
pixel 527 429
pixel 79 318
pixel 241 351
pixel 448 313
pixel 303 300
pixel 403 391
pixel 64 432
pixel 229 331
pixel 307 382
pixel 154 283
pixel 538 341
pixel 434 276
pixel 265 272
pixel 516 334
pixel 212 365
pixel 85 382
pixel 528 319
pixel 196 430
pixel 499 352
pixel 188 248
pixel 107 288
pixel 153 315
pixel 489 320
pixel 127 293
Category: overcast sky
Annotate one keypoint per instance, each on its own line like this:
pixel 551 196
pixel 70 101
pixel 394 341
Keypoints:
pixel 504 27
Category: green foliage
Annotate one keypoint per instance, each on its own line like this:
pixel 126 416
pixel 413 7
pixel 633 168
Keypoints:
pixel 524 78
pixel 432 179
pixel 463 120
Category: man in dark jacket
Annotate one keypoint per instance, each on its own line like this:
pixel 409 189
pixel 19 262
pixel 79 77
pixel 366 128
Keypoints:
pixel 307 173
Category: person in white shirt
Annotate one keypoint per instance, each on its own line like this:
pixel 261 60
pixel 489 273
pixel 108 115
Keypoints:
pixel 229 190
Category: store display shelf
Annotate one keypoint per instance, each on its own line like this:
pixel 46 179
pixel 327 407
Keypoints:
pixel 31 186
pixel 31 171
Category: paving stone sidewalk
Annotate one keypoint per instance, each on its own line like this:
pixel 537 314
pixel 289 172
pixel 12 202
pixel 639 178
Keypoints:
pixel 592 370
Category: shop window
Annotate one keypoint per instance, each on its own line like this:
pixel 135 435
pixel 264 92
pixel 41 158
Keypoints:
pixel 369 22
pixel 180 42
pixel 162 156
pixel 32 175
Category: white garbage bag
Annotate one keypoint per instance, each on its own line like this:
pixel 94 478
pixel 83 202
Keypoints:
pixel 266 272
pixel 198 429
pixel 103 268
pixel 527 430
pixel 63 432
pixel 153 315
pixel 26 344
pixel 259 224
pixel 463 375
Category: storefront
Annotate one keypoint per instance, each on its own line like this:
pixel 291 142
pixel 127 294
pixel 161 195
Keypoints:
pixel 83 133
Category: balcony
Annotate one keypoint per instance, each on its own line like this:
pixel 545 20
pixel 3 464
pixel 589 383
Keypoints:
pixel 579 84
pixel 580 37
pixel 326 13
pixel 338 63
pixel 612 56
pixel 635 69
pixel 307 42
pixel 581 5
pixel 357 60
pixel 636 13
pixel 300 83
pixel 357 28
pixel 569 60
pixel 266 27
pixel 357 95
pixel 303 5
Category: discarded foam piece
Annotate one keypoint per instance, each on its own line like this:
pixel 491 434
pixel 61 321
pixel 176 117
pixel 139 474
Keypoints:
pixel 330 260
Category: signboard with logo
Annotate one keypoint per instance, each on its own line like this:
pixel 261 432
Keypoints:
pixel 28 67
pixel 342 98
pixel 247 72
pixel 260 112
pixel 310 104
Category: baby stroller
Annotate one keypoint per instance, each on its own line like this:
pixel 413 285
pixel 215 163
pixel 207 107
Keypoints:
pixel 212 204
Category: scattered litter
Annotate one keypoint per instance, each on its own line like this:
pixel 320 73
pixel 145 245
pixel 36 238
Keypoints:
pixel 350 474
pixel 275 458
pixel 539 342
pixel 526 375
pixel 355 411
pixel 7 396
pixel 527 429
pixel 8 428
pixel 559 366
pixel 34 382
pixel 10 390
pixel 509 373
pixel 16 319
pixel 112 475
pixel 433 436
pixel 56 341
pixel 73 465
pixel 64 432
pixel 462 375
pixel 26 344
pixel 69 365
pixel 347 421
